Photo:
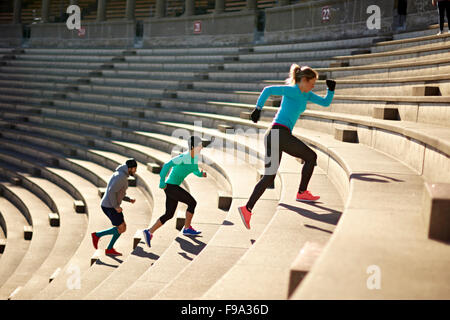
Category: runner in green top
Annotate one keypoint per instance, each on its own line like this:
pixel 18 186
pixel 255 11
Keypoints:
pixel 181 166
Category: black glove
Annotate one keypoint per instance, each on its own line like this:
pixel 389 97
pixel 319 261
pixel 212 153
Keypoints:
pixel 331 84
pixel 256 114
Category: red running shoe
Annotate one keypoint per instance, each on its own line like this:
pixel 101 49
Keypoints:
pixel 95 239
pixel 112 252
pixel 306 196
pixel 245 216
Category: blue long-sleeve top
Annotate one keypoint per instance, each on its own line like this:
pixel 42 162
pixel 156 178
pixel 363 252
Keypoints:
pixel 293 103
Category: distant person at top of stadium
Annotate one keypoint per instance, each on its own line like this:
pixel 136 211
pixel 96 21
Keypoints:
pixel 443 7
pixel 279 137
pixel 402 9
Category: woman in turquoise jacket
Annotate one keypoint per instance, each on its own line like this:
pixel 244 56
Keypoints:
pixel 280 139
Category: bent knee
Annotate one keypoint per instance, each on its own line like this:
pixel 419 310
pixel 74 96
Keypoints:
pixel 311 158
pixel 122 228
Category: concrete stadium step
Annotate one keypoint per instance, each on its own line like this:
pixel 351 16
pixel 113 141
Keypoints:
pixel 16 246
pixel 62 51
pixel 198 284
pixel 136 217
pixel 422 132
pixel 42 242
pixel 265 64
pixel 90 171
pixel 71 231
pixel 410 42
pixel 47 170
pixel 64 58
pixel 138 151
pixel 430 31
pixel 46 71
pixel 230 242
pixel 53 64
pixel 403 128
pixel 401 176
pixel 140 288
pixel 79 292
pixel 94 296
pixel 124 95
pixel 242 57
pixel 418 52
pixel 316 60
pixel 142 74
pixel 69 137
pixel 182 84
pixel 414 113
pixel 413 141
pixel 422 67
pixel 79 262
pixel 38 77
pixel 292 225
pixel 382 59
pixel 207 218
pixel 141 258
pixel 428 134
pixel 361 42
pixel 432 137
pixel 391 87
pixel 147 139
pixel 398 222
pixel 89 163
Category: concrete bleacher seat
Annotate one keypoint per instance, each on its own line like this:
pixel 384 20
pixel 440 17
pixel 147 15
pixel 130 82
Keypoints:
pixel 67 294
pixel 16 246
pixel 42 240
pixel 95 215
pixel 70 225
pixel 142 290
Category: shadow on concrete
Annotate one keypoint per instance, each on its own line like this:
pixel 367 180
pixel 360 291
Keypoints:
pixel 227 223
pixel 139 251
pixel 331 218
pixel 369 177
pixel 190 247
pixel 317 228
pixel 184 255
pixel 101 263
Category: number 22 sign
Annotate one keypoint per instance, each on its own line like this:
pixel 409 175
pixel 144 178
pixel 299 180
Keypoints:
pixel 326 14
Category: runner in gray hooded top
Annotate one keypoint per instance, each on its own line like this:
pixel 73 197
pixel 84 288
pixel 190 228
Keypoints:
pixel 114 194
pixel 117 188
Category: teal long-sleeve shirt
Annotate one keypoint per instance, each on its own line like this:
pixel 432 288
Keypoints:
pixel 293 103
pixel 181 165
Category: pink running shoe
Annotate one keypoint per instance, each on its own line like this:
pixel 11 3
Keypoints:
pixel 306 196
pixel 245 216
pixel 95 239
pixel 112 252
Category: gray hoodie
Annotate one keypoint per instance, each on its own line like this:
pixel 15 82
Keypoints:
pixel 116 189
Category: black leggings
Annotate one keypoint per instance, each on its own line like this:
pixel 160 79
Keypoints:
pixel 443 6
pixel 286 142
pixel 174 194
